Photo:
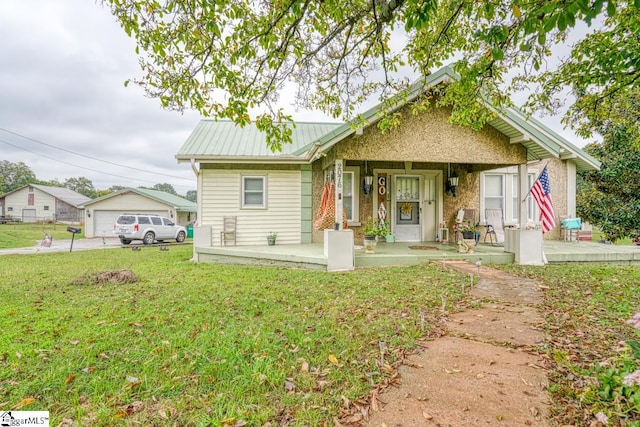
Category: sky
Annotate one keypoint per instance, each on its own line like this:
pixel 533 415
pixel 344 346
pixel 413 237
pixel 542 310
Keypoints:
pixel 63 65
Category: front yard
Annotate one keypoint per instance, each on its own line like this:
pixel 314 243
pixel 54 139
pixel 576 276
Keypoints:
pixel 230 345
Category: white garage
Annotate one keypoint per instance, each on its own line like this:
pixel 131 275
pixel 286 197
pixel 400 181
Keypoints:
pixel 101 213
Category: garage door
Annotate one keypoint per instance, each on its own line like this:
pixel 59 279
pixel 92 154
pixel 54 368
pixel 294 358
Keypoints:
pixel 28 215
pixel 103 221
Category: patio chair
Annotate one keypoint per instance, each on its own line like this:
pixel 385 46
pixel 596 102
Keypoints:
pixel 228 230
pixel 570 228
pixel 495 226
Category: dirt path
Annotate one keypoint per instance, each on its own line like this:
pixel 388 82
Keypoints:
pixel 483 371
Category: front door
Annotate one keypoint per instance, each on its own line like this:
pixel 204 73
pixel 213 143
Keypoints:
pixel 407 208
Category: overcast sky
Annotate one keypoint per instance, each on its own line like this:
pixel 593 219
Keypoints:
pixel 62 73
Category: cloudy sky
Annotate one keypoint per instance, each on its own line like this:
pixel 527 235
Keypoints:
pixel 62 73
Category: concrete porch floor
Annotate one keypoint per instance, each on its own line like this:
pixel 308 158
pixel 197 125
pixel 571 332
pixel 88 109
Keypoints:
pixel 388 254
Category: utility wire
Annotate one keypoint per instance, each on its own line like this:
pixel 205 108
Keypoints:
pixel 76 166
pixel 83 155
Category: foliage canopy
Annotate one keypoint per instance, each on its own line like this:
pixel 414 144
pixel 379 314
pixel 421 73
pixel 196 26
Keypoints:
pixel 225 58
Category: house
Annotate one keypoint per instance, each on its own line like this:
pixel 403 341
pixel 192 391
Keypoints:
pixel 410 168
pixel 101 213
pixel 37 203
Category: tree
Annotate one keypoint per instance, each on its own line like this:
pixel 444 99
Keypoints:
pixel 14 175
pixel 192 196
pixel 610 197
pixel 167 188
pixel 81 185
pixel 339 55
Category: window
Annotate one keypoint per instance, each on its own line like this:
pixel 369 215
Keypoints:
pixel 10 209
pixel 46 208
pixel 254 192
pixel 350 192
pixel 143 220
pixel 168 222
pixel 156 220
pixel 31 199
pixel 500 191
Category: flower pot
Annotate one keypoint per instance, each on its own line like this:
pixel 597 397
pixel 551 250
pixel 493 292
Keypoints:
pixel 390 238
pixel 271 240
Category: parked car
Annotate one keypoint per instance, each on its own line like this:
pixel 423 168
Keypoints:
pixel 148 228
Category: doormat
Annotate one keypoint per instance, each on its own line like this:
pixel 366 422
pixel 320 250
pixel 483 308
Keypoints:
pixel 428 248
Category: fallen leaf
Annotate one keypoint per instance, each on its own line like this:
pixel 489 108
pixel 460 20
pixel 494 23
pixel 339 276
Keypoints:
pixel 289 385
pixel 120 414
pixel 18 355
pixel 24 402
pixel 426 415
pixel 333 360
pixel 74 342
pixel 70 379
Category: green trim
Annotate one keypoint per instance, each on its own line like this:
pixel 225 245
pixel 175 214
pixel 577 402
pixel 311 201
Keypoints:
pixel 306 201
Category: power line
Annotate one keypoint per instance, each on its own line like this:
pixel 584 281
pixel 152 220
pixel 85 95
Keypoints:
pixel 81 167
pixel 83 155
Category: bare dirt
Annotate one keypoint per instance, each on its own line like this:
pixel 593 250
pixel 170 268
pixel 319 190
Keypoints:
pixel 484 371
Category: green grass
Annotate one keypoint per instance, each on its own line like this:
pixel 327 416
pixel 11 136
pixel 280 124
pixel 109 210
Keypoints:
pixel 202 343
pixel 26 235
pixel 586 307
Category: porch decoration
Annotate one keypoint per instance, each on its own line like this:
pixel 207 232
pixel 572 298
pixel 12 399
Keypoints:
pixel 406 208
pixel 325 219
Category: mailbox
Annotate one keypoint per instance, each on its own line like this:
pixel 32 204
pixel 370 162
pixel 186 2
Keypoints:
pixel 74 230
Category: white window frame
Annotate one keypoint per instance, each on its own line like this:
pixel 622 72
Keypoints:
pixel 354 221
pixel 510 191
pixel 244 205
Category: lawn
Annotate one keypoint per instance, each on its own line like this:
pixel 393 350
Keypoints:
pixel 586 309
pixel 204 344
pixel 27 235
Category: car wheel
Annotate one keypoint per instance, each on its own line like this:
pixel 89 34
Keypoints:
pixel 125 241
pixel 148 238
pixel 180 237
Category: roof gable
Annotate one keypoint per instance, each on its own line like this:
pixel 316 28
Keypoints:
pixel 179 203
pixel 66 195
pixel 224 141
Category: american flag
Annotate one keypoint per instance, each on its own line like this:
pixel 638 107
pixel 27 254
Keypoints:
pixel 541 192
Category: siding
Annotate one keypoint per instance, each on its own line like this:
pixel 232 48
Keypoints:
pixel 18 201
pixel 221 197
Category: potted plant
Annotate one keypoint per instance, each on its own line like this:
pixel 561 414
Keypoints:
pixel 370 235
pixel 271 238
pixel 467 230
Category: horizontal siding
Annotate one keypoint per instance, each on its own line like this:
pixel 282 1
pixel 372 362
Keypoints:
pixel 221 197
pixel 18 201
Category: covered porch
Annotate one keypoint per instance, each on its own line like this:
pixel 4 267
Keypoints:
pixel 312 256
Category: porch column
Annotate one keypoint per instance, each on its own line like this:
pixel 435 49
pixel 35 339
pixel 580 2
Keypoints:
pixel 523 188
pixel 339 167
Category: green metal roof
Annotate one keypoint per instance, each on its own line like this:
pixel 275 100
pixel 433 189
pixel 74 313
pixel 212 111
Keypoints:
pixel 213 139
pixel 224 141
pixel 178 203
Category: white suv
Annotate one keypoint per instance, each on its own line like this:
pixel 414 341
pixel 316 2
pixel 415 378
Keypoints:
pixel 148 228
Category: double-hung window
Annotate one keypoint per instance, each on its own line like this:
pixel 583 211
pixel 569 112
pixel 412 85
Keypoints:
pixel 254 192
pixel 500 191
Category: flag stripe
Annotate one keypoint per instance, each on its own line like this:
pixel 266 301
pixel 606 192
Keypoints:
pixel 541 192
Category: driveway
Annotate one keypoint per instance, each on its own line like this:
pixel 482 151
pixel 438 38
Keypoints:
pixel 65 245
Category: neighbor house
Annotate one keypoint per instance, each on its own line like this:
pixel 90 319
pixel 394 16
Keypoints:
pixel 409 168
pixel 36 203
pixel 101 213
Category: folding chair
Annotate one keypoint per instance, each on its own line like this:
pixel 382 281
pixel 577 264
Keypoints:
pixel 228 230
pixel 495 226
